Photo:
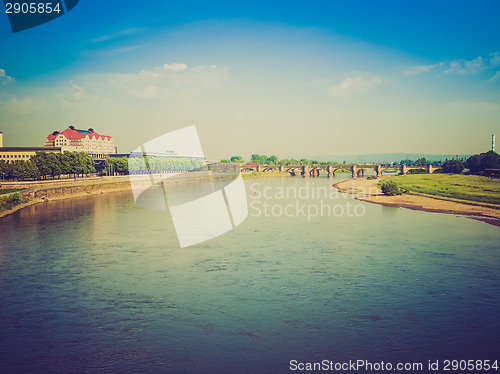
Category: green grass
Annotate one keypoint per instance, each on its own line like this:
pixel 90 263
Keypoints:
pixel 456 186
pixel 8 202
pixel 6 191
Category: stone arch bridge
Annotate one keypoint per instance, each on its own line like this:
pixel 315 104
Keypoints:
pixel 357 170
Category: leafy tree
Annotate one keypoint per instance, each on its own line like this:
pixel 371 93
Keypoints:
pixel 65 163
pixel 490 160
pixel 42 163
pixel 473 163
pixel 272 160
pixel 5 170
pixel 390 188
pixel 420 161
pixel 237 159
pixel 483 161
pixel 54 163
pixel 453 166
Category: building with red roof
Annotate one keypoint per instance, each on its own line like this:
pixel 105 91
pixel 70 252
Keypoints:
pixel 71 139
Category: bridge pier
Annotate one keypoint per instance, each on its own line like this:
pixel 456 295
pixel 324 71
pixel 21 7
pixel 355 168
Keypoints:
pixel 282 168
pixel 404 169
pixel 305 171
pixel 357 172
pixel 330 171
pixel 378 170
pixel 430 169
pixel 259 168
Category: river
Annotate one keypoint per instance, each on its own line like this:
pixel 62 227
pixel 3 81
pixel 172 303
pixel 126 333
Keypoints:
pixel 97 285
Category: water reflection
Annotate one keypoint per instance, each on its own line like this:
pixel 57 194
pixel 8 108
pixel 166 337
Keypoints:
pixel 97 285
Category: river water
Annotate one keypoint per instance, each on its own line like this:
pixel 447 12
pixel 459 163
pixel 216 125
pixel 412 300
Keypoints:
pixel 97 285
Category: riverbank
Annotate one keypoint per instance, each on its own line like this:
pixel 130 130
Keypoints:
pixel 370 192
pixel 43 191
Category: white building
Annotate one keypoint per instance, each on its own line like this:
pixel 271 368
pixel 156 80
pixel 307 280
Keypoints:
pixel 71 139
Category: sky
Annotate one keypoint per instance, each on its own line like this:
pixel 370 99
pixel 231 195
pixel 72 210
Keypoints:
pixel 290 78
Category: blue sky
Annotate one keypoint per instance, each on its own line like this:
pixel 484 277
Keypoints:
pixel 292 78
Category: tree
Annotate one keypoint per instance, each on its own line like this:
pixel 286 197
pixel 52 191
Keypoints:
pixel 237 159
pixel 490 160
pixel 420 161
pixel 5 170
pixel 390 188
pixel 272 160
pixel 483 161
pixel 473 163
pixel 65 163
pixel 453 166
pixel 54 163
pixel 42 163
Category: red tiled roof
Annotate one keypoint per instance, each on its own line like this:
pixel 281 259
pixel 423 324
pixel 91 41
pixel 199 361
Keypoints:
pixel 77 135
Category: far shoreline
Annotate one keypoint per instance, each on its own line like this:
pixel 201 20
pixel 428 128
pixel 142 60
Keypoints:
pixel 372 194
pixel 52 190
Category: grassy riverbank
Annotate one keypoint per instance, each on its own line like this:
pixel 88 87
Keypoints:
pixel 7 191
pixel 455 186
pixel 430 201
pixel 10 201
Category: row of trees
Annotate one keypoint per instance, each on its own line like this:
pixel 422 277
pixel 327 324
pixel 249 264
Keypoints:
pixel 420 162
pixel 45 164
pixel 274 160
pixel 477 164
pixel 161 164
pixel 483 161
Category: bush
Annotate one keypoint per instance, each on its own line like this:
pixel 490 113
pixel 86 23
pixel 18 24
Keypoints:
pixel 16 198
pixel 8 202
pixel 390 188
pixel 417 171
pixel 371 177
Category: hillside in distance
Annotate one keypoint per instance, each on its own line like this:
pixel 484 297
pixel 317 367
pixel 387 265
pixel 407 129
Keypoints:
pixel 385 157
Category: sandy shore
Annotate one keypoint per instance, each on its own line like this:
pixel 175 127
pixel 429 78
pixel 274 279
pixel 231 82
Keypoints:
pixel 370 192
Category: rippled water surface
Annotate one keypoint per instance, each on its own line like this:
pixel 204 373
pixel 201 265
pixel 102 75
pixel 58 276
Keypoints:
pixel 96 285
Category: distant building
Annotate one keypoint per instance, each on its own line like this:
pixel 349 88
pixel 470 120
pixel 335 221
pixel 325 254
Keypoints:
pixel 11 154
pixel 71 139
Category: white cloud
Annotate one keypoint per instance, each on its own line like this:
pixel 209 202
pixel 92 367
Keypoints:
pixel 126 49
pixel 495 77
pixel 175 67
pixel 119 34
pixel 4 77
pixel 160 82
pixel 73 92
pixel 19 107
pixel 467 67
pixel 351 86
pixel 420 69
pixel 494 59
